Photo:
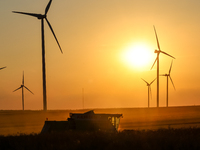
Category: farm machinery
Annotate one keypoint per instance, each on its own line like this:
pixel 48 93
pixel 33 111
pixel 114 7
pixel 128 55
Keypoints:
pixel 88 121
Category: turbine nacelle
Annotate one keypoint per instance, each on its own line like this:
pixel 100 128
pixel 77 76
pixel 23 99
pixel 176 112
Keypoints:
pixel 40 16
pixel 157 51
pixel 148 84
pixel 165 75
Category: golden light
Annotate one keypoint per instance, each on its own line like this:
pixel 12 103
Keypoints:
pixel 137 56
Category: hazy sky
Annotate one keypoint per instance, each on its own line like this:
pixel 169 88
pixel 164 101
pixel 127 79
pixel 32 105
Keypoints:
pixel 94 35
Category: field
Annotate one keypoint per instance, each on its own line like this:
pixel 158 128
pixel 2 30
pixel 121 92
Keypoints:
pixel 31 122
pixel 140 128
pixel 162 139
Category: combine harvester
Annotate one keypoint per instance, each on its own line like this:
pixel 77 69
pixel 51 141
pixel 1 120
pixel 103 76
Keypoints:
pixel 88 121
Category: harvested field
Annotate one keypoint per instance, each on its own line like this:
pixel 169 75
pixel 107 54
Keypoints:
pixel 27 122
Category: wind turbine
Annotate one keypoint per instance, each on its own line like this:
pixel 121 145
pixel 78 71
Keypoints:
pixel 149 88
pixel 42 17
pixel 168 76
pixel 157 59
pixel 22 87
pixel 2 68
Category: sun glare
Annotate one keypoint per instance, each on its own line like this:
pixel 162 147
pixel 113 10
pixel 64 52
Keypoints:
pixel 137 56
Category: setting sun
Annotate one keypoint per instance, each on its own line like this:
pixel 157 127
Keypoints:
pixel 137 56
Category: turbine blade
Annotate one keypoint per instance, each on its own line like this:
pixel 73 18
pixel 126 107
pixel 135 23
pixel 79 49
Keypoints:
pixel 28 90
pixel 17 89
pixel 170 67
pixel 48 6
pixel 53 34
pixel 172 83
pixel 2 68
pixel 154 62
pixel 145 81
pixel 30 14
pixel 152 81
pixel 167 54
pixel 157 38
pixel 23 78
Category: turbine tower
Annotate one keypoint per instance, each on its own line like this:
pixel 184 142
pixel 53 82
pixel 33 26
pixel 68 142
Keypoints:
pixel 168 76
pixel 22 87
pixel 2 68
pixel 157 59
pixel 149 89
pixel 42 17
pixel 83 96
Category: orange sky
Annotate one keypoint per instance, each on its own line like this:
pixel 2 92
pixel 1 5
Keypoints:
pixel 93 36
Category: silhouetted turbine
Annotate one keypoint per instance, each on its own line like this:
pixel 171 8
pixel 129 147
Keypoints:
pixel 22 87
pixel 42 17
pixel 2 68
pixel 168 76
pixel 157 59
pixel 149 89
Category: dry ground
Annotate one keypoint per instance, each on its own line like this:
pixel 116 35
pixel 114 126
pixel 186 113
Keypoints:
pixel 17 122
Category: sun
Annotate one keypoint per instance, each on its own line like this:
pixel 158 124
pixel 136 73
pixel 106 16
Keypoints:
pixel 137 56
